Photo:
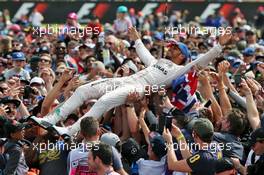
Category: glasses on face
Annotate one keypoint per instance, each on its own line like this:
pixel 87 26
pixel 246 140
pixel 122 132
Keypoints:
pixel 60 48
pixel 4 88
pixel 58 73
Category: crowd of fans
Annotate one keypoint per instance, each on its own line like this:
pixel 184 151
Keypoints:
pixel 209 121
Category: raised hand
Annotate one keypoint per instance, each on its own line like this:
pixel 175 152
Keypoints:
pixel 133 33
pixel 253 85
pixel 260 68
pixel 175 131
pixel 66 75
pixel 167 135
pixel 215 76
pixel 225 38
pixel 132 97
pixel 203 76
pixel 244 88
pixel 3 110
pixel 223 67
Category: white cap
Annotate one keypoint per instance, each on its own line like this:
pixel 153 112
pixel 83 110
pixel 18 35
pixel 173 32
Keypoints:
pixel 110 138
pixel 37 80
pixel 126 43
pixel 98 64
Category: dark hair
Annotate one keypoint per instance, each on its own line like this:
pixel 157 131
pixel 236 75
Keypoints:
pixel 89 126
pixel 208 138
pixel 218 61
pixel 237 122
pixel 104 152
pixel 205 113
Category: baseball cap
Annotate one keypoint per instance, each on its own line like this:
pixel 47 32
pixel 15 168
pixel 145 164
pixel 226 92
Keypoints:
pixel 158 36
pixel 34 59
pixel 44 49
pixel 250 32
pixel 22 79
pixel 122 9
pixel 7 100
pixel 110 139
pixel 18 56
pixel 15 28
pixel 234 53
pixel 130 150
pixel 157 144
pixel 224 164
pixel 37 80
pixel 249 51
pixel 241 45
pixel 183 47
pixel 146 39
pixel 72 15
pixel 236 63
pixel 86 46
pixel 98 64
pixel 204 128
pixel 12 126
pixel 257 135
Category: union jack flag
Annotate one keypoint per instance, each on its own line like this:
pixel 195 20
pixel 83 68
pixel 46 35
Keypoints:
pixel 184 89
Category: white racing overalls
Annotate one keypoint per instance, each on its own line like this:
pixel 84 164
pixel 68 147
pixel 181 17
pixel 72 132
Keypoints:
pixel 112 92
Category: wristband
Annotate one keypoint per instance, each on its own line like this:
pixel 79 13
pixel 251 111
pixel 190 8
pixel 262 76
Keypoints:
pixel 221 88
pixel 181 137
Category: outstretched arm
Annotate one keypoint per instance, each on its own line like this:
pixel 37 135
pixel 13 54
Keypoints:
pixel 141 50
pixel 204 60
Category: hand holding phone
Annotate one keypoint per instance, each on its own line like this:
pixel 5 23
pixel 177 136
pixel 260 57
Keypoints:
pixel 168 122
pixel 237 79
pixel 208 104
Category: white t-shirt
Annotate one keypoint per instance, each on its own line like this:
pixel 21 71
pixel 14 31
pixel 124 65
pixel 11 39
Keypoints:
pixel 152 167
pixel 248 162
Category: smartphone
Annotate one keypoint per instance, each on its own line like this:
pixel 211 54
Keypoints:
pixel 207 104
pixel 27 91
pixel 237 79
pixel 168 122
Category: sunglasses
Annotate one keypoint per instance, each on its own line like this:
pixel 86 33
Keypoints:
pixel 60 48
pixel 58 73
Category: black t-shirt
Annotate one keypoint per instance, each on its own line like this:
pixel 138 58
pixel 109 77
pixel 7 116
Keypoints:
pixel 202 163
pixel 257 168
pixel 53 161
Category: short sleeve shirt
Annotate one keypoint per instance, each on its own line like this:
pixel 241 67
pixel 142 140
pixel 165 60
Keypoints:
pixel 202 163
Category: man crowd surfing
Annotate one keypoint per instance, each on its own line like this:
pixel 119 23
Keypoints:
pixel 129 97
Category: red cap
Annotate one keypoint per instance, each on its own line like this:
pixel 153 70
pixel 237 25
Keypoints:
pixel 72 15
